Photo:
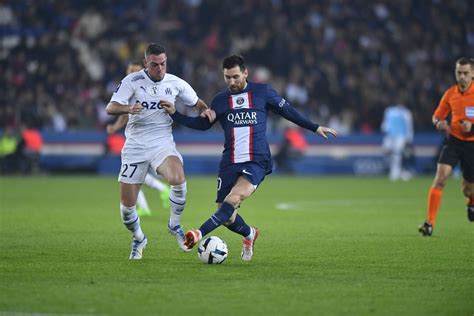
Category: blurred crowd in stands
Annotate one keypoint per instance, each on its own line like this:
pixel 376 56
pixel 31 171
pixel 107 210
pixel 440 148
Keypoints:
pixel 341 62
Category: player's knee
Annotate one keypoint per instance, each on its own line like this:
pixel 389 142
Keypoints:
pixel 126 203
pixel 176 179
pixel 234 199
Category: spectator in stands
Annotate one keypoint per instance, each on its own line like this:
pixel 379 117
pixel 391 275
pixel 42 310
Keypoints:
pixel 74 48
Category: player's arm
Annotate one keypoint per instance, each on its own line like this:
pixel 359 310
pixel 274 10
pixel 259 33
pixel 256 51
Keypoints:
pixel 282 107
pixel 120 101
pixel 441 113
pixel 120 123
pixel 200 123
pixel 114 108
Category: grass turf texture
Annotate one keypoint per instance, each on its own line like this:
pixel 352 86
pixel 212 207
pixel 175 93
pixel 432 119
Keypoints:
pixel 328 246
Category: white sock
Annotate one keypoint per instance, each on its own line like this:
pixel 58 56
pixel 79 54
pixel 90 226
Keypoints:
pixel 177 203
pixel 131 221
pixel 154 183
pixel 141 200
pixel 251 235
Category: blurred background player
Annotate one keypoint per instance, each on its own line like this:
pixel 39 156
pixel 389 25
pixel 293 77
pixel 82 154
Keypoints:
pixel 143 208
pixel 458 145
pixel 397 125
pixel 242 111
pixel 149 140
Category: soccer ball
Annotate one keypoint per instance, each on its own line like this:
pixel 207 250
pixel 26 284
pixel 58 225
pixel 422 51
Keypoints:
pixel 212 250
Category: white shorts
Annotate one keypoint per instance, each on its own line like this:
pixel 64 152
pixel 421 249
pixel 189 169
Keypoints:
pixel 134 171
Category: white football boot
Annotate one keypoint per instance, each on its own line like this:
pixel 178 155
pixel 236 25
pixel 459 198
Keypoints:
pixel 137 248
pixel 178 232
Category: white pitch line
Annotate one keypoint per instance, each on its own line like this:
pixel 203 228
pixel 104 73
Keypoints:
pixel 315 204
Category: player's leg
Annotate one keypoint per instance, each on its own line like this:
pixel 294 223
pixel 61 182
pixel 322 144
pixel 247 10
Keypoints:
pixel 163 188
pixel 468 190
pixel 226 213
pixel 467 166
pixel 143 209
pixel 172 170
pixel 131 176
pixel 130 218
pixel 396 159
pixel 448 159
pixel 238 225
pixel 435 195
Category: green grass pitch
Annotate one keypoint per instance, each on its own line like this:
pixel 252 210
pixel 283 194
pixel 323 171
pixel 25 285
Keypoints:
pixel 328 246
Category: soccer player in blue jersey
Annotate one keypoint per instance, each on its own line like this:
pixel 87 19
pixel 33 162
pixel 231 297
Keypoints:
pixel 242 111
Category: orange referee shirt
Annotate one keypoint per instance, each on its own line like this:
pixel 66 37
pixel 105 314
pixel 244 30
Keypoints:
pixel 461 106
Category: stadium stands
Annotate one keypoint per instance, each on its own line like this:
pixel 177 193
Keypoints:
pixel 341 62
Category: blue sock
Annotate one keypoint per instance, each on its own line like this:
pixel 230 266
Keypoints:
pixel 239 226
pixel 221 216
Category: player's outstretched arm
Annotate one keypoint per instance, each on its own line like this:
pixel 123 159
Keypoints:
pixel 323 131
pixel 118 124
pixel 114 108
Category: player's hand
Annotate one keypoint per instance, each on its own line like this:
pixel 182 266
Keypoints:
pixel 136 108
pixel 323 130
pixel 210 114
pixel 466 126
pixel 168 106
pixel 110 129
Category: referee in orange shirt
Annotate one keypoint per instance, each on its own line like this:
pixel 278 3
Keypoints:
pixel 458 145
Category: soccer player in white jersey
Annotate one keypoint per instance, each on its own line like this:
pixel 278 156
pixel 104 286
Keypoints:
pixel 149 141
pixel 143 209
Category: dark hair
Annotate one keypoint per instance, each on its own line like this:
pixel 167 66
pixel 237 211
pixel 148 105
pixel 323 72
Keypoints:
pixel 465 61
pixel 232 61
pixel 154 49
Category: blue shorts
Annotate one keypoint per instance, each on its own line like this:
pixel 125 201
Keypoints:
pixel 227 177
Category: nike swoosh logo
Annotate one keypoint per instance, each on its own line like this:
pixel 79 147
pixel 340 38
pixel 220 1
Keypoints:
pixel 246 172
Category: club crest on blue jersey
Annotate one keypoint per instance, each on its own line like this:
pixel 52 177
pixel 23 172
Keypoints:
pixel 241 101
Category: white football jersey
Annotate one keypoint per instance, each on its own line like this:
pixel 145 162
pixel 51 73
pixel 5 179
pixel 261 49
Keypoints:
pixel 152 126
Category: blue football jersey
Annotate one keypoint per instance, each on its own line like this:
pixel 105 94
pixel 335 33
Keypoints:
pixel 243 117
